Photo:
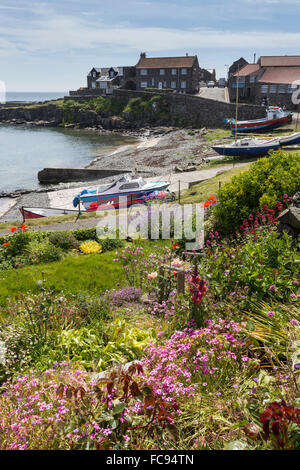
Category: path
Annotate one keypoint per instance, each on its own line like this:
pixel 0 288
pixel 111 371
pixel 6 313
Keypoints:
pixel 218 94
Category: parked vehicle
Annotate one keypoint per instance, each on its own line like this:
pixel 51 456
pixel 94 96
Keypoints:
pixel 211 84
pixel 222 82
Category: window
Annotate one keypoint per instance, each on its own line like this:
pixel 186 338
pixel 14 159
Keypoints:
pixel 183 84
pixel 94 74
pixel 103 85
pixel 162 72
pixel 292 88
pixel 264 89
pixel 153 82
pixel 282 88
pixel 173 85
pixel 252 79
pixel 165 84
pixel 273 88
pixel 129 186
pixel 174 71
pixel 144 84
pixel 183 71
pixel 144 72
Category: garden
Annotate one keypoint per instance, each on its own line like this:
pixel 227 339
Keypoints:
pixel 102 341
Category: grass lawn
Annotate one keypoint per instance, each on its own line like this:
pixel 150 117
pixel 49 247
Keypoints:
pixel 74 274
pixel 200 192
pixel 87 273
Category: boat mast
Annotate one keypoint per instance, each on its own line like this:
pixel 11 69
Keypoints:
pixel 237 101
pixel 297 117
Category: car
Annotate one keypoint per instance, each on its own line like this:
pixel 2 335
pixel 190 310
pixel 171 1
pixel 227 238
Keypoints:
pixel 222 82
pixel 211 84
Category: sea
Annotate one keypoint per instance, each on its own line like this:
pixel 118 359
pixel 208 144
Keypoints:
pixel 24 150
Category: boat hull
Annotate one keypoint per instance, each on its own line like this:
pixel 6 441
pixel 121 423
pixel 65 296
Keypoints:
pixel 260 125
pixel 293 139
pixel 40 212
pixel 93 202
pixel 245 152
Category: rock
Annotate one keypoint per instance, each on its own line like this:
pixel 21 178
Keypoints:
pixel 177 169
pixel 289 220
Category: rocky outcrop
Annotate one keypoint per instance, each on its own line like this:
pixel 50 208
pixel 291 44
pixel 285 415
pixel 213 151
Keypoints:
pixel 289 220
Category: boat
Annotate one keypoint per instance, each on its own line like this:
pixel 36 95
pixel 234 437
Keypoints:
pixel 292 139
pixel 276 117
pixel 248 147
pixel 106 197
pixel 38 212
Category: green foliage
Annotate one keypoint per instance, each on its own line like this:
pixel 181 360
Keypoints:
pixel 43 252
pixel 137 106
pixel 265 183
pixel 253 265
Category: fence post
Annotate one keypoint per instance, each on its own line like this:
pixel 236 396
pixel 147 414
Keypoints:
pixel 180 283
pixel 161 282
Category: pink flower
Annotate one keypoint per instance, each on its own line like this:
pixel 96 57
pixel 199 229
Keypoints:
pixel 176 263
pixel 152 276
pixel 294 322
pixel 271 314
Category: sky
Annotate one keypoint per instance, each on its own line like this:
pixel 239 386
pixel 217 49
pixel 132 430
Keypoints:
pixel 52 45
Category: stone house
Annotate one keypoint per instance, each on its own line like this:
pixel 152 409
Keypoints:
pixel 207 75
pixel 180 74
pixel 271 81
pixel 237 65
pixel 108 78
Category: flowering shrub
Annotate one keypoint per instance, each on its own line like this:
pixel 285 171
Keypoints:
pixel 263 265
pixel 127 294
pixel 64 408
pixel 90 247
pixel 64 241
pixel 265 183
pixel 195 359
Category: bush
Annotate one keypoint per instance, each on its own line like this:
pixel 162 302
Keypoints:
pixel 43 252
pixel 66 242
pixel 263 184
pixel 90 247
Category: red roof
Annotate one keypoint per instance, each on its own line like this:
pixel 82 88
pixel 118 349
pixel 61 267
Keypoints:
pixel 247 70
pixel 166 62
pixel 280 61
pixel 283 75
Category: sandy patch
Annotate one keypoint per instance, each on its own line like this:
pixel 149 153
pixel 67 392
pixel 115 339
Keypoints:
pixel 6 203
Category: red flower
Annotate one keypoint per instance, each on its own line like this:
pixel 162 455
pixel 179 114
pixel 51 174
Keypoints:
pixel 13 229
pixel 5 244
pixel 174 246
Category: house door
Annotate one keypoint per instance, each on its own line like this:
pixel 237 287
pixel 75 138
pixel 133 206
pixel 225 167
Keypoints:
pixel 93 85
pixel 160 85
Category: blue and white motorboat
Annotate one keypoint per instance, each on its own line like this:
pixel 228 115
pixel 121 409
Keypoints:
pixel 275 118
pixel 248 148
pixel 108 196
pixel 292 139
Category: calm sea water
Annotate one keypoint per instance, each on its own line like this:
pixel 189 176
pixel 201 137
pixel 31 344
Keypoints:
pixel 35 96
pixel 26 150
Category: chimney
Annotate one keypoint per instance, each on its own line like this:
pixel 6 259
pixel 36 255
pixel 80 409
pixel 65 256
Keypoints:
pixel 143 55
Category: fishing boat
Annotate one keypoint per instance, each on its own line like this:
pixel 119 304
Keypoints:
pixel 108 196
pixel 275 118
pixel 292 139
pixel 248 147
pixel 38 212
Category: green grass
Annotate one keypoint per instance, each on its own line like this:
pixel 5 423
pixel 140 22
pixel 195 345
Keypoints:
pixel 87 273
pixel 74 274
pixel 200 192
pixel 218 134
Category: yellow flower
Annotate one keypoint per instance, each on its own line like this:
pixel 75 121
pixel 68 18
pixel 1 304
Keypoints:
pixel 90 247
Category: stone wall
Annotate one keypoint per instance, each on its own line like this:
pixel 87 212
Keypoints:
pixel 178 110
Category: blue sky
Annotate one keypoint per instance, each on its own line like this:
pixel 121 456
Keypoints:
pixel 51 45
